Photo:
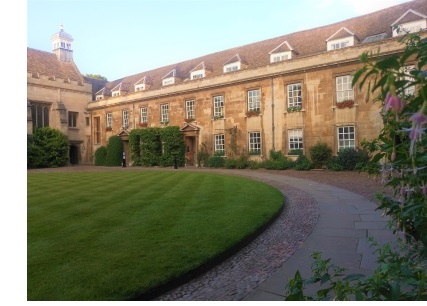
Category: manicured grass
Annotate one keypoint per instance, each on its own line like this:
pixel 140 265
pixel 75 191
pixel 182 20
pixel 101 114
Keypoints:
pixel 113 235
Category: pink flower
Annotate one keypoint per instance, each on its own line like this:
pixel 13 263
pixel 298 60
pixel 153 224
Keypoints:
pixel 394 103
pixel 424 189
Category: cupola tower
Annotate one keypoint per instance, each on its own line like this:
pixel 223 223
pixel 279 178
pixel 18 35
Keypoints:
pixel 61 45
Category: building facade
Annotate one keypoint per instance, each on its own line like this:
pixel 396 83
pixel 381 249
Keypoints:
pixel 57 96
pixel 284 93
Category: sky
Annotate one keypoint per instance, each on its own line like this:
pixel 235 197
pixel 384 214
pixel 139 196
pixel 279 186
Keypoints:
pixel 118 38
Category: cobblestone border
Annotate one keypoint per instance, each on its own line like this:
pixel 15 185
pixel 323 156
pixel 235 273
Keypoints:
pixel 239 275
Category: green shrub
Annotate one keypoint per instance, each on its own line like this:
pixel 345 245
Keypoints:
pixel 350 158
pixel 320 153
pixel 202 155
pixel 334 165
pixel 114 152
pixel 230 163
pixel 242 162
pixel 135 146
pixel 151 147
pixel 216 161
pixel 254 164
pixel 101 156
pixel 277 155
pixel 302 163
pixel 173 146
pixel 295 152
pixel 47 148
pixel 277 164
pixel 157 146
pixel 277 161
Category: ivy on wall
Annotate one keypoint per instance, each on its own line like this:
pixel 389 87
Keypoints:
pixel 114 151
pixel 157 146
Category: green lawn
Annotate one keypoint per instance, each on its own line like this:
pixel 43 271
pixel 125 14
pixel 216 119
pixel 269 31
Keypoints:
pixel 113 235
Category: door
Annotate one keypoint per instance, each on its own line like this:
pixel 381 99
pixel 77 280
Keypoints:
pixel 190 150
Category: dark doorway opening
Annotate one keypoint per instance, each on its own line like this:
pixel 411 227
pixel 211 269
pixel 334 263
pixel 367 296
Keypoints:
pixel 74 155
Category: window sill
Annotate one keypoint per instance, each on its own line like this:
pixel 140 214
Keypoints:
pixel 259 115
pixel 354 105
pixel 299 111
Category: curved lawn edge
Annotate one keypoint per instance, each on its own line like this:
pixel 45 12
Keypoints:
pixel 202 269
pixel 209 263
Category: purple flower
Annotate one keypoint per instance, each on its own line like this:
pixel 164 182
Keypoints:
pixel 418 118
pixel 394 103
pixel 416 131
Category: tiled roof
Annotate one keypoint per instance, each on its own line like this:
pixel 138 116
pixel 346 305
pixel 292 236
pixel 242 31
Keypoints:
pixel 341 33
pixel 304 43
pixel 122 87
pixel 46 63
pixel 200 66
pixel 283 47
pixel 234 59
pixel 409 16
pixel 171 74
pixel 143 80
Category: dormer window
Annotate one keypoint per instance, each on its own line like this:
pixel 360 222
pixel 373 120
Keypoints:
pixel 340 39
pixel 278 57
pixel 411 22
pixel 170 78
pixel 338 44
pixel 168 81
pixel 140 87
pixel 100 94
pixel 198 74
pixel 120 89
pixel 234 64
pixel 232 67
pixel 142 84
pixel 200 71
pixel 282 52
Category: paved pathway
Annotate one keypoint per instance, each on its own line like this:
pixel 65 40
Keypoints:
pixel 346 221
pixel 341 233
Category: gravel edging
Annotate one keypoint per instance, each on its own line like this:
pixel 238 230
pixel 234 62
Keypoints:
pixel 239 275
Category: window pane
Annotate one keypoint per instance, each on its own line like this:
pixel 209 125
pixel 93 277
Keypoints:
pixel 344 89
pixel 294 95
pixel 253 100
pixel 346 137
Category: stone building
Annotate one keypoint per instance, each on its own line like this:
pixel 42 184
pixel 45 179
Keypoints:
pixel 283 93
pixel 57 95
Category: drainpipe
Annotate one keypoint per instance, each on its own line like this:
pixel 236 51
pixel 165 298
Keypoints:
pixel 272 114
pixel 133 115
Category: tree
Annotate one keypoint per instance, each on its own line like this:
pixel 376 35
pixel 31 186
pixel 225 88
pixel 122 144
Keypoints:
pixel 47 148
pixel 96 76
